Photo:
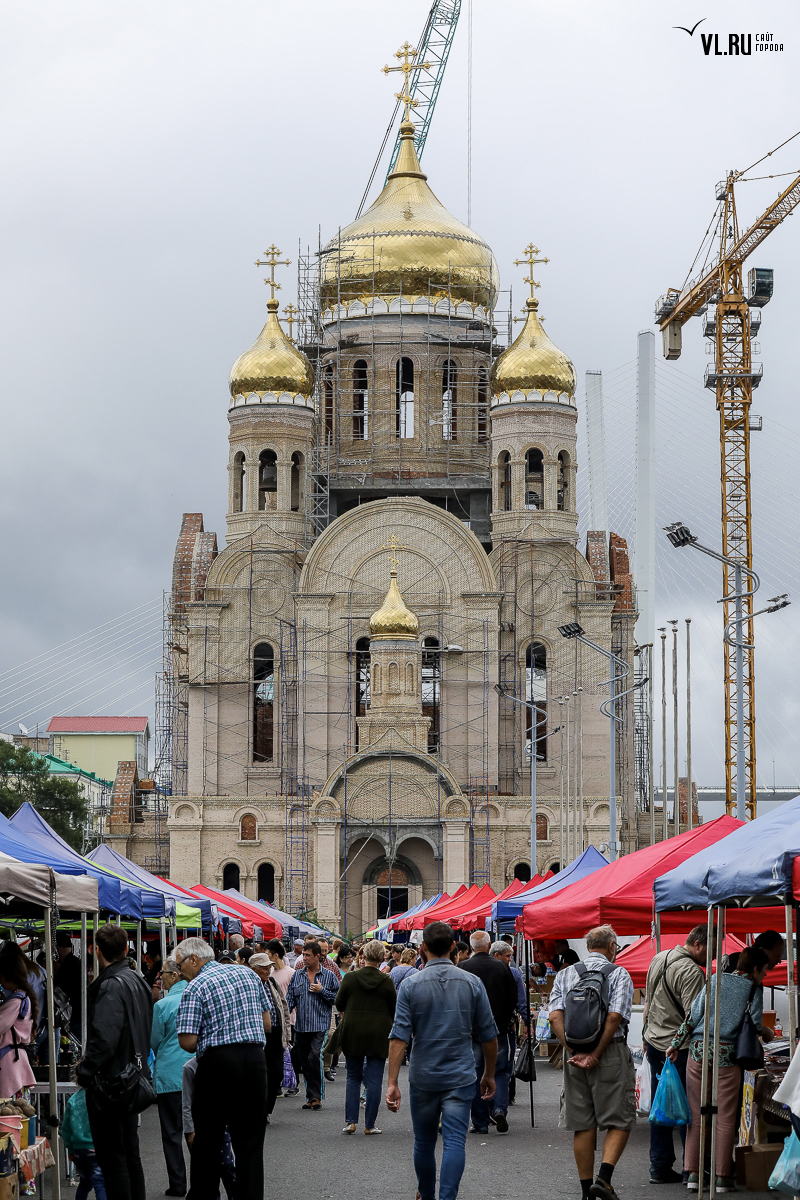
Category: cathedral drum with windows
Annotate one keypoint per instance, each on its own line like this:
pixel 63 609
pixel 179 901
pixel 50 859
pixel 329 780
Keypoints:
pixel 355 678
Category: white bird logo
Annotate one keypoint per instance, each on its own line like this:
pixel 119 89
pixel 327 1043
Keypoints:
pixel 689 31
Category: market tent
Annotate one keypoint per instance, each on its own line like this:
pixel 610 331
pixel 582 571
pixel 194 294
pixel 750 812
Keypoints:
pixel 247 912
pixel 40 885
pixel 406 922
pixel 754 862
pixel 285 919
pixel 112 860
pixel 477 916
pixel 505 910
pixel 451 913
pixel 621 893
pixel 637 957
pixel 388 924
pixel 114 895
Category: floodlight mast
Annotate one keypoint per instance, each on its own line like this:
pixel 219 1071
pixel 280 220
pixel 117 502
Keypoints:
pixel 501 691
pixel 680 535
pixel 574 630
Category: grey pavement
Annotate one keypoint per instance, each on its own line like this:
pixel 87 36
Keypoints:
pixel 308 1158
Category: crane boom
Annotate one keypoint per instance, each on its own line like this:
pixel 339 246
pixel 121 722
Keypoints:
pixel 720 295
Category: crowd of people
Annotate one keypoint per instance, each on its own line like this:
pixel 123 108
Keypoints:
pixel 254 1020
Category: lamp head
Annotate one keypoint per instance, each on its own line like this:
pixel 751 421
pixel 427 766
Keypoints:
pixel 501 691
pixel 571 630
pixel 679 534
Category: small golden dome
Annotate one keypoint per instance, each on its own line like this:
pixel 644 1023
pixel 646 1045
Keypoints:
pixel 272 364
pixel 393 619
pixel 408 244
pixel 532 363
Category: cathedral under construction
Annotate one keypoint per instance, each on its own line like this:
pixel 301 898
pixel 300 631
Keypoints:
pixel 355 684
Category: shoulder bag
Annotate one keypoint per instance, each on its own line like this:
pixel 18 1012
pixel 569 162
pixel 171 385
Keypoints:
pixel 749 1051
pixel 130 1091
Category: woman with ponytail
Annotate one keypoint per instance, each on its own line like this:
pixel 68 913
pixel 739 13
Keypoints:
pixel 19 1019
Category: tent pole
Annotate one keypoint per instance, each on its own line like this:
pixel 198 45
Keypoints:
pixel 530 1047
pixel 139 946
pixel 163 939
pixel 119 920
pixel 84 984
pixel 94 944
pixel 51 1053
pixel 790 984
pixel 174 933
pixel 704 1072
pixel 658 933
pixel 712 1173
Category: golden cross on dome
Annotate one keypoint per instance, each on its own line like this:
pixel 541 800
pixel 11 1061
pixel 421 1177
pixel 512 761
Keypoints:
pixel 291 316
pixel 408 54
pixel 272 262
pixel 530 258
pixel 394 545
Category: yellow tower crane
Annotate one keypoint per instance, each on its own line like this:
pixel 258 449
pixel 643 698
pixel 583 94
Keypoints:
pixel 731 315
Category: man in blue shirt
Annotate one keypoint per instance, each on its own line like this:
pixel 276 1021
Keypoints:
pixel 445 1010
pixel 311 993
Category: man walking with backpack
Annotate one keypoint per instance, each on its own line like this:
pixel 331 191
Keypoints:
pixel 673 980
pixel 590 1008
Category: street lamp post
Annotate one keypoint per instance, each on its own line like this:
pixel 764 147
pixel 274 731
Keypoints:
pixel 679 535
pixel 574 630
pixel 501 691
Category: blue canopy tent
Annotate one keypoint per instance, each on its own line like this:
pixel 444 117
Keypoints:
pixel 31 830
pixel 505 912
pixel 382 927
pixel 112 860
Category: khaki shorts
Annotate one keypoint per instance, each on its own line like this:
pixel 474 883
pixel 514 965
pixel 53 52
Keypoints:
pixel 603 1098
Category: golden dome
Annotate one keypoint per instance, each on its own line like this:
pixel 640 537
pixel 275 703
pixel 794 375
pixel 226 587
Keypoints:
pixel 407 243
pixel 272 364
pixel 532 363
pixel 393 619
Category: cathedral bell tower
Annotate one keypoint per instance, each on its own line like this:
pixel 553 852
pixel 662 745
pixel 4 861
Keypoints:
pixel 271 420
pixel 534 420
pixel 395 712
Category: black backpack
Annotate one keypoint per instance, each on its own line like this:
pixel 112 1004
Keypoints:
pixel 586 1007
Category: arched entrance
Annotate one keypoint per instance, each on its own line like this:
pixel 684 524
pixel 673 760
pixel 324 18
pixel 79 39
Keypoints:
pixel 392 891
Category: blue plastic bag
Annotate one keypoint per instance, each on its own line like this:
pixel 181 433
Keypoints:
pixel 670 1106
pixel 786 1175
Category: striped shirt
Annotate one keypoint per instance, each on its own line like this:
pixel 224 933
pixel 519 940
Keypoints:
pixel 223 1006
pixel 313 1008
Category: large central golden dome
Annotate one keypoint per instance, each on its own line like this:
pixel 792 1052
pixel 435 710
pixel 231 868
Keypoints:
pixel 407 244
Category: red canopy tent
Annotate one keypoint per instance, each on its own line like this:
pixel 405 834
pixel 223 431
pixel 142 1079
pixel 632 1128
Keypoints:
pixel 251 914
pixel 621 894
pixel 475 918
pixel 637 957
pixel 404 922
pixel 451 913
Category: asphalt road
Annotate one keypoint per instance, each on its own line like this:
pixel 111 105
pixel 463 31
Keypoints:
pixel 307 1157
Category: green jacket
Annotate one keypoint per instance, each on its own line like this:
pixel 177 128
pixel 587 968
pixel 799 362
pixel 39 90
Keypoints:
pixel 367 998
pixel 75 1126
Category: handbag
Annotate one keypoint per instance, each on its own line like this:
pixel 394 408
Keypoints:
pixel 749 1052
pixel 129 1091
pixel 525 1064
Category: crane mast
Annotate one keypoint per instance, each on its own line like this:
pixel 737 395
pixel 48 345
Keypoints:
pixel 731 317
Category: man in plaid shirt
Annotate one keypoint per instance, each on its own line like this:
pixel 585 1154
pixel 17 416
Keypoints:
pixel 312 991
pixel 223 1017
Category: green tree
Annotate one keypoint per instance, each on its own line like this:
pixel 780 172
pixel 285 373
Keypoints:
pixel 24 776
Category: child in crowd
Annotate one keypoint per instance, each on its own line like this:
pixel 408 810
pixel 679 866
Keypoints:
pixel 78 1139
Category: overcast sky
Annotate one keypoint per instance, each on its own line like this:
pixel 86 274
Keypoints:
pixel 152 151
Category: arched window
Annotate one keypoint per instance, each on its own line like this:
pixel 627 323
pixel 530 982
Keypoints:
pixel 522 871
pixel 267 479
pixel 230 877
pixel 266 882
pixel 327 402
pixel 247 828
pixel 449 402
pixel 362 680
pixel 541 827
pixel 376 679
pixel 394 677
pixel 404 412
pixel 563 482
pixel 506 497
pixel 554 867
pixel 360 401
pixel 238 482
pixel 483 404
pixel 431 689
pixel 298 481
pixel 534 479
pixel 263 702
pixel 536 691
pixel 411 686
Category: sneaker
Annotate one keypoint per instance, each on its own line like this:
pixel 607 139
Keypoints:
pixel 329 1075
pixel 295 1091
pixel 670 1177
pixel 724 1184
pixel 693 1182
pixel 500 1121
pixel 315 1104
pixel 373 1130
pixel 350 1128
pixel 479 1129
pixel 601 1190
